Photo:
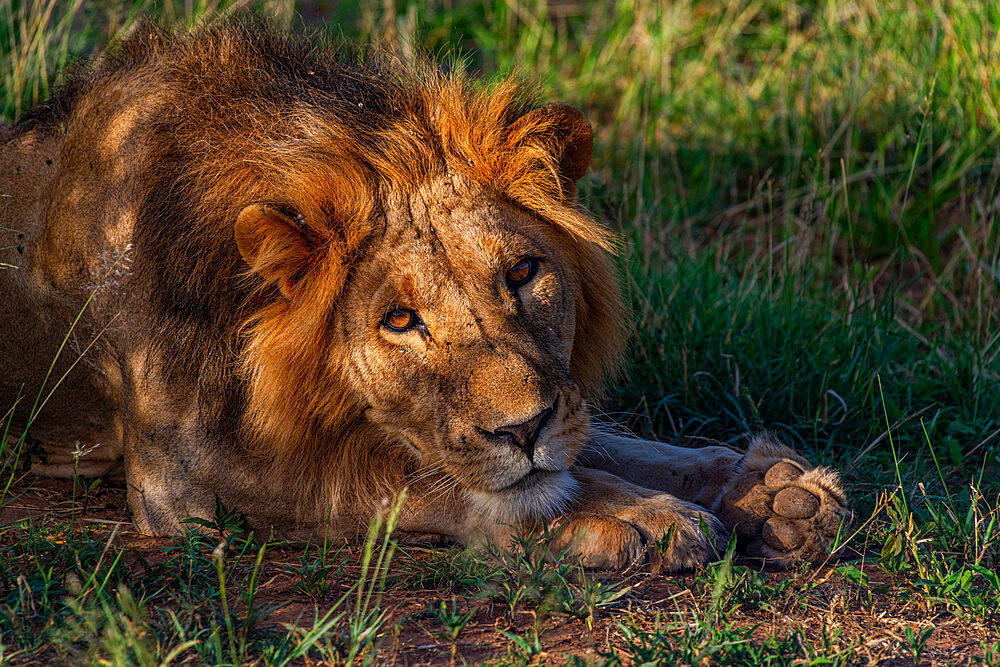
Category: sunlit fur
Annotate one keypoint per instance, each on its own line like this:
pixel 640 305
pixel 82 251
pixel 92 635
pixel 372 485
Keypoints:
pixel 240 114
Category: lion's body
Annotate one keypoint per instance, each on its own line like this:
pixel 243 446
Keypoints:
pixel 244 214
pixel 39 315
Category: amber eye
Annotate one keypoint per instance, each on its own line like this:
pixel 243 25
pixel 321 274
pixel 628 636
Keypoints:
pixel 400 319
pixel 522 272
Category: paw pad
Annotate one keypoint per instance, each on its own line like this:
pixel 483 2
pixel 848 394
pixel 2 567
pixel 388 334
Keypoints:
pixel 781 473
pixel 795 503
pixel 782 535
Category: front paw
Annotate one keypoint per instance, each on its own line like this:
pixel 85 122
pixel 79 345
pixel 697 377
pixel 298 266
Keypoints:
pixel 621 526
pixel 783 508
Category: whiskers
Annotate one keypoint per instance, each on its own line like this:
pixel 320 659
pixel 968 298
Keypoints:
pixel 591 448
pixel 444 490
pixel 606 423
pixel 423 472
pixel 441 484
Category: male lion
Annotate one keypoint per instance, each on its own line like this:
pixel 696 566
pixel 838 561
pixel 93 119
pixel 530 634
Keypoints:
pixel 314 283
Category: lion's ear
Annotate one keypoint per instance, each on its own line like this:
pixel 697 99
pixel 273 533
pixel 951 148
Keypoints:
pixel 565 134
pixel 276 243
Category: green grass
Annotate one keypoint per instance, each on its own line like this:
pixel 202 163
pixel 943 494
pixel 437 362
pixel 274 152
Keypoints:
pixel 808 194
pixel 68 595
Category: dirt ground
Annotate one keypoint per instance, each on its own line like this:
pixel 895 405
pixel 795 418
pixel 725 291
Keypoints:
pixel 819 602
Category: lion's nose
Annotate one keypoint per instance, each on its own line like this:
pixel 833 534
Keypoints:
pixel 525 435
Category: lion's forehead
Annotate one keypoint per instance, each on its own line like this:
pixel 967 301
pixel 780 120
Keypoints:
pixel 455 209
pixel 473 229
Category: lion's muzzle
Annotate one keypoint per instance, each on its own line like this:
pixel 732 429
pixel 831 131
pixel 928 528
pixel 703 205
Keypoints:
pixel 523 436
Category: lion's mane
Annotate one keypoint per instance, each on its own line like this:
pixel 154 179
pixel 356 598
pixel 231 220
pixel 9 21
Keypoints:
pixel 244 113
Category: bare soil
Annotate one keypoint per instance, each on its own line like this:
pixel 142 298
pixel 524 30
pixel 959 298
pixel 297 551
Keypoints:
pixel 817 601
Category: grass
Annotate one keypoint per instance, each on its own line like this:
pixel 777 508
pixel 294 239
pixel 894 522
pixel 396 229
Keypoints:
pixel 71 596
pixel 808 194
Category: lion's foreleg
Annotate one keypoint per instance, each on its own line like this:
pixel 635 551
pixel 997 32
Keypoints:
pixel 696 475
pixel 160 489
pixel 781 506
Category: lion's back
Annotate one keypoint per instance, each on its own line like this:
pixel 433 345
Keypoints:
pixel 71 174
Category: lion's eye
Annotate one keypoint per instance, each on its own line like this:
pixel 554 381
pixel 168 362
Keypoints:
pixel 400 319
pixel 522 272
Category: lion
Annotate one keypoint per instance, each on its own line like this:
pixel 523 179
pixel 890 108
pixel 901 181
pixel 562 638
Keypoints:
pixel 305 281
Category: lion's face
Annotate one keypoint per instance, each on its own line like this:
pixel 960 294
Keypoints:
pixel 458 324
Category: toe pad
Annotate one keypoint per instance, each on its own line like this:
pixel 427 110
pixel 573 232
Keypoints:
pixel 795 503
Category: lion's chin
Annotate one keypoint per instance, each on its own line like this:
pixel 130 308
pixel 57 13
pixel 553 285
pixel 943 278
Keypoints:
pixel 537 495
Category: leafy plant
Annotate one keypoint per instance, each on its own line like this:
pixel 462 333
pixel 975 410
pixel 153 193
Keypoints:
pixel 314 571
pixel 917 641
pixel 523 649
pixel 453 622
pixel 226 523
pixel 589 596
pixel 443 568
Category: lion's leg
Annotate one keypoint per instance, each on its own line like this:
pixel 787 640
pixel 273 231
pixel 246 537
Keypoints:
pixel 606 521
pixel 781 506
pixel 160 490
pixel 176 461
pixel 616 524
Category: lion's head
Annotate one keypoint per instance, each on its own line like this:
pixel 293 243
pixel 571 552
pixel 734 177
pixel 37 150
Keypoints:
pixel 474 316
pixel 459 329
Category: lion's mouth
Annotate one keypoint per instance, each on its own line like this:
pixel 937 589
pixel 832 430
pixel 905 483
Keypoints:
pixel 533 477
pixel 538 494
